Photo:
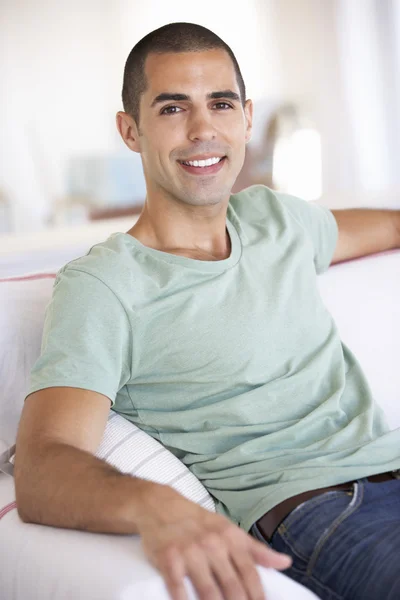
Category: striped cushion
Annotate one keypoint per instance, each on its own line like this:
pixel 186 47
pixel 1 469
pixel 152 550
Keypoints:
pixel 133 451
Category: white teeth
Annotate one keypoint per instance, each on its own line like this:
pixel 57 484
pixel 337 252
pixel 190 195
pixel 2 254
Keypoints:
pixel 203 163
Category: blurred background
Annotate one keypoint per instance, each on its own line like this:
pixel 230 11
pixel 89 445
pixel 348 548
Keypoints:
pixel 324 77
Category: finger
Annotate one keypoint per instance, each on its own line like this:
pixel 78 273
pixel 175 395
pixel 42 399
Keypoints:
pixel 172 568
pixel 267 557
pixel 223 570
pixel 199 571
pixel 248 574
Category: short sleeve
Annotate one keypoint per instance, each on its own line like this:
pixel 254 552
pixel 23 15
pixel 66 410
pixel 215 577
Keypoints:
pixel 320 225
pixel 86 340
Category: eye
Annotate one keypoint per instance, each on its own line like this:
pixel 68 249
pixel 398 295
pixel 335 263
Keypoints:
pixel 222 105
pixel 170 110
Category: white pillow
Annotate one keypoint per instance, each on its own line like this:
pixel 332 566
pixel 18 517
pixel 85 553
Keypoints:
pixel 22 307
pixel 133 451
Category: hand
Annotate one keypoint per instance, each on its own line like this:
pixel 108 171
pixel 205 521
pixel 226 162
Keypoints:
pixel 181 538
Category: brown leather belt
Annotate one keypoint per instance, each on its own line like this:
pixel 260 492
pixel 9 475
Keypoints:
pixel 269 522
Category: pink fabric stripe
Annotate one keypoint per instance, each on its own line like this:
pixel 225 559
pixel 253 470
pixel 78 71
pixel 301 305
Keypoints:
pixel 31 277
pixel 7 509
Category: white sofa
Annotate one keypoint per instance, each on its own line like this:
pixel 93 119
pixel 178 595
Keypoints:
pixel 38 562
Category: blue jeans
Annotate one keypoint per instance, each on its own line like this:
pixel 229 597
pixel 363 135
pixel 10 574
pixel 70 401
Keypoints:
pixel 345 545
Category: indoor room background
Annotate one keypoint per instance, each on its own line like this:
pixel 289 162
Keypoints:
pixel 323 75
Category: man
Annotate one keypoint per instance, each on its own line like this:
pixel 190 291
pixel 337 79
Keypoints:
pixel 203 325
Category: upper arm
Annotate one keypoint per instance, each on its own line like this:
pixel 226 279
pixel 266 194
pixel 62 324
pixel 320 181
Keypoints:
pixel 66 415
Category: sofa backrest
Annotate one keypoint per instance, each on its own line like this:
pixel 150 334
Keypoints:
pixel 362 295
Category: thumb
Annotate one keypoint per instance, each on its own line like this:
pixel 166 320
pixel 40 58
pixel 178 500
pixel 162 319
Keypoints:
pixel 265 556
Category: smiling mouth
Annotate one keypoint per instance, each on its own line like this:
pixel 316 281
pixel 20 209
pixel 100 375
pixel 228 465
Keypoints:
pixel 208 162
pixel 207 166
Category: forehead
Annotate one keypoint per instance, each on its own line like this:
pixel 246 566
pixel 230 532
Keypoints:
pixel 209 70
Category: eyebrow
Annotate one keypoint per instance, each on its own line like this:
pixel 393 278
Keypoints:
pixel 165 97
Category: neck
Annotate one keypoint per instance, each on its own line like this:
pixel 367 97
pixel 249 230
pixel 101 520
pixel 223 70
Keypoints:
pixel 194 231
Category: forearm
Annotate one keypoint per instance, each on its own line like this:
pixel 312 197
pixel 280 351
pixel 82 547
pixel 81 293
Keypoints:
pixel 67 487
pixel 397 226
pixel 366 231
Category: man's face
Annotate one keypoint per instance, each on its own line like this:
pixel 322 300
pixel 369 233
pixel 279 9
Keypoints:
pixel 192 111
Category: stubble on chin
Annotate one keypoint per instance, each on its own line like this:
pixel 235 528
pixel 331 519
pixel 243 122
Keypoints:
pixel 202 196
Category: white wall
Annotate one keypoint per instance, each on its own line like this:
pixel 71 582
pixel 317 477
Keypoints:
pixel 306 31
pixel 364 83
pixel 246 28
pixel 55 64
pixel 339 62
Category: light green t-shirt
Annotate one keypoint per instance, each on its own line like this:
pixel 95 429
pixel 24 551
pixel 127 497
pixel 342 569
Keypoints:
pixel 234 365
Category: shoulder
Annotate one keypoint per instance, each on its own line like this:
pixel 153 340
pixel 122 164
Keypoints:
pixel 258 203
pixel 255 199
pixel 107 264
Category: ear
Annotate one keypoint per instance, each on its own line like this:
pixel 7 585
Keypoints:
pixel 248 112
pixel 128 130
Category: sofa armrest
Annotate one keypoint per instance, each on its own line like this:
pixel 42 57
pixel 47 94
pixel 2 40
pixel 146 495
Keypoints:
pixel 46 563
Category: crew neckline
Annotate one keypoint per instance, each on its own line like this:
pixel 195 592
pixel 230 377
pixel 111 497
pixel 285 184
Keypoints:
pixel 193 263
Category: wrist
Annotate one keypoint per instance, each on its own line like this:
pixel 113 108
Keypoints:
pixel 151 503
pixel 135 501
pixel 162 505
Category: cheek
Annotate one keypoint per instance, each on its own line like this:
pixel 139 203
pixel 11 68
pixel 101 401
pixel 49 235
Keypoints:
pixel 161 145
pixel 237 134
pixel 157 163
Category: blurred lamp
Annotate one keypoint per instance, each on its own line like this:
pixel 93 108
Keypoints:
pixel 296 155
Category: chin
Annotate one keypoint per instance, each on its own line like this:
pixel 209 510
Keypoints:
pixel 204 197
pixel 204 200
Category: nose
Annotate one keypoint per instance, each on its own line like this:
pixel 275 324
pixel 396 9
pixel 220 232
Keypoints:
pixel 200 126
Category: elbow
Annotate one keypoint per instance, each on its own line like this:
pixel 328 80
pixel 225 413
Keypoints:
pixel 28 506
pixel 22 499
pixel 24 493
pixel 23 514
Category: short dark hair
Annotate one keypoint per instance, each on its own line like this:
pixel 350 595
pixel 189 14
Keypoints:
pixel 174 37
